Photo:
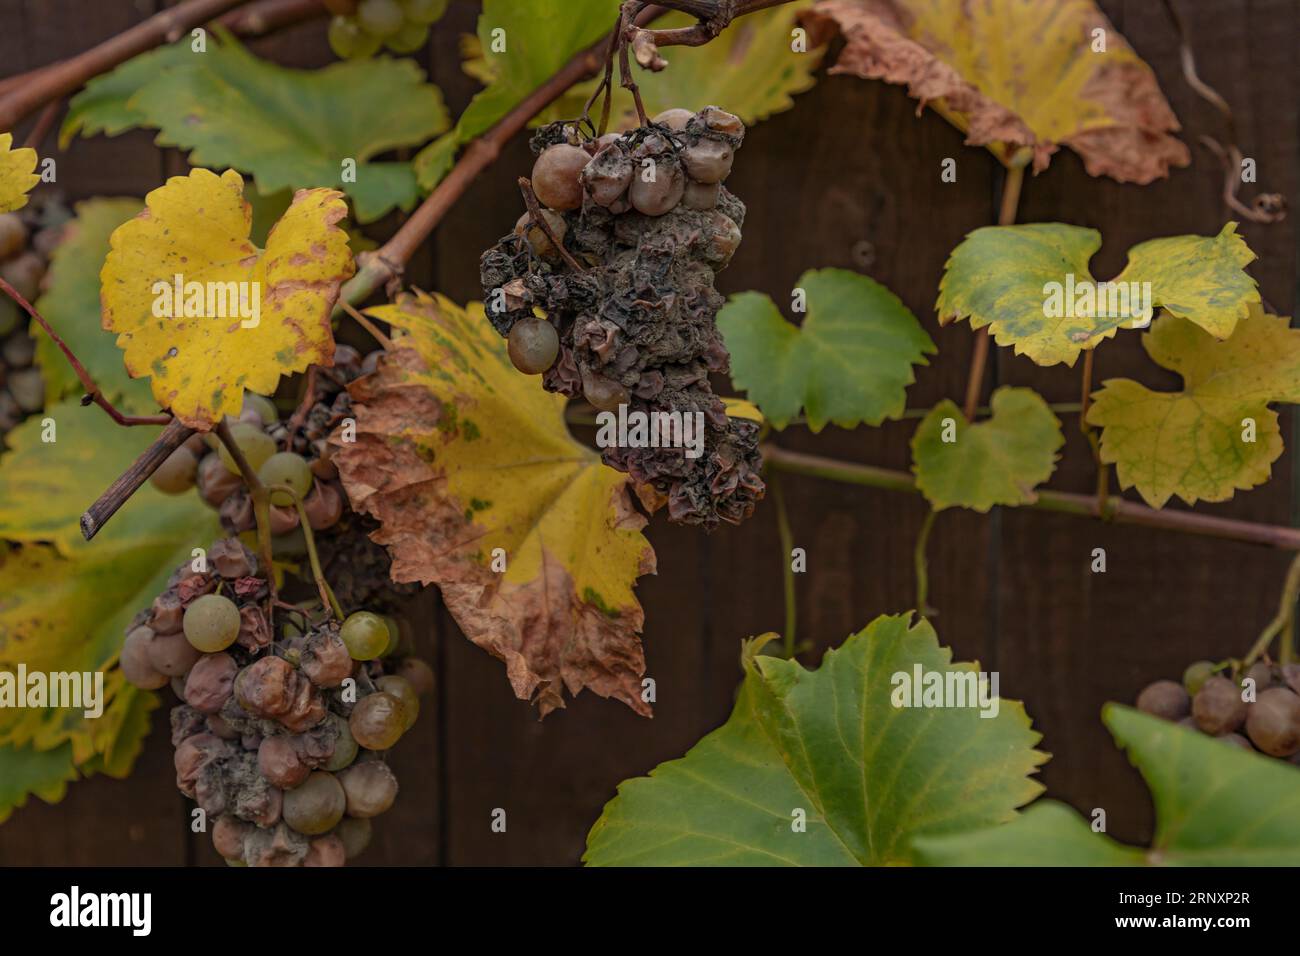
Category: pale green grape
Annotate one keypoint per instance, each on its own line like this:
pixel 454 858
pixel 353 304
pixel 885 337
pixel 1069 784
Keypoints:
pixel 365 635
pixel 404 691
pixel 211 623
pixel 256 445
pixel 380 18
pixel 177 472
pixel 263 406
pixel 349 41
pixel 394 635
pixel 423 11
pixel 345 747
pixel 286 468
pixel 315 805
pixel 411 37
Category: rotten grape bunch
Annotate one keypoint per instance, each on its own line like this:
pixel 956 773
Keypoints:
pixel 618 249
pixel 387 454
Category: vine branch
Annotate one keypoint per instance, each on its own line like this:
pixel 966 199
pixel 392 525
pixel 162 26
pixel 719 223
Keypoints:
pixel 979 357
pixel 1115 509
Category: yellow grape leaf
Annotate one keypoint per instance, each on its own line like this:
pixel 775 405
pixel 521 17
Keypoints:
pixel 1022 77
pixel 1030 285
pixel 65 603
pixel 479 488
pixel 16 174
pixel 751 70
pixel 258 314
pixel 1218 434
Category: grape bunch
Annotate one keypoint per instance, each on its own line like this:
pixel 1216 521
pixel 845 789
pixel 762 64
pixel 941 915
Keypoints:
pixel 1214 699
pixel 645 224
pixel 296 455
pixel 281 729
pixel 360 27
pixel 27 238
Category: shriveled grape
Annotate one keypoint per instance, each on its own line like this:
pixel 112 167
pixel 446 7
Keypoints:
pixel 656 195
pixel 172 654
pixel 326 850
pixel 278 761
pixel 135 663
pixel 708 161
pixel 674 119
pixel 211 682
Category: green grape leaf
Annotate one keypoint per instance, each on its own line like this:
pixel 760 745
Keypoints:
pixel 287 128
pixel 523 45
pixel 749 70
pixel 1216 805
pixel 1218 434
pixel 868 774
pixel 67 602
pixel 1031 286
pixel 25 771
pixel 850 362
pixel 103 105
pixel 70 303
pixel 999 461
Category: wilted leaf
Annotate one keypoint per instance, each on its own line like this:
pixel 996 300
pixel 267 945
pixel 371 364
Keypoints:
pixel 16 176
pixel 999 461
pixel 197 226
pixel 288 128
pixel 749 70
pixel 458 455
pixel 1218 434
pixel 70 303
pixel 999 277
pixel 25 771
pixel 1018 75
pixel 850 362
pixel 867 774
pixel 1216 805
pixel 66 602
pixel 523 45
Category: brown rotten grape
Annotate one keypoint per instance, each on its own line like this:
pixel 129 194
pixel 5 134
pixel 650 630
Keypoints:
pixel 1273 722
pixel 1218 708
pixel 1165 698
pixel 636 323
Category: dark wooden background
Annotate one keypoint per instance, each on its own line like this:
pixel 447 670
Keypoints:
pixel 848 178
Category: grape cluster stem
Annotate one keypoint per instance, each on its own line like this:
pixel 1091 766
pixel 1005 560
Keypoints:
pixel 261 507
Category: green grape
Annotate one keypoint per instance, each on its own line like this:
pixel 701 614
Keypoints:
pixel 380 18
pixel 355 834
pixel 256 445
pixel 1197 673
pixel 349 41
pixel 316 805
pixel 404 691
pixel 532 345
pixel 286 468
pixel 211 623
pixel 8 315
pixel 411 37
pixel 177 472
pixel 394 635
pixel 365 634
pixel 423 11
pixel 345 747
pixel 377 721
pixel 263 406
